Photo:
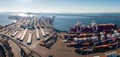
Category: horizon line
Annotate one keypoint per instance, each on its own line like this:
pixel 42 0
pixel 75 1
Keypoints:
pixel 54 12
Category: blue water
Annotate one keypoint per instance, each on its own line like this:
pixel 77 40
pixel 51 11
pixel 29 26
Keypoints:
pixel 65 21
pixel 4 20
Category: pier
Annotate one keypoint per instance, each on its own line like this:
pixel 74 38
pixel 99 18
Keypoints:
pixel 26 34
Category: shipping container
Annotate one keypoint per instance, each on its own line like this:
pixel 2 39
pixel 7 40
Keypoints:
pixel 23 35
pixel 43 33
pixel 29 41
pixel 18 37
pixel 37 34
pixel 14 34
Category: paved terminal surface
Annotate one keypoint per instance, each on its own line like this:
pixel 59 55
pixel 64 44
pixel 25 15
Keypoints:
pixel 59 49
pixel 15 49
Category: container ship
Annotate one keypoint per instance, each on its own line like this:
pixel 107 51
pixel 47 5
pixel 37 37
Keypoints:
pixel 93 38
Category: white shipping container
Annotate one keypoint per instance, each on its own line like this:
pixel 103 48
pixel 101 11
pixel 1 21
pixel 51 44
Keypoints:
pixel 37 34
pixel 19 36
pixel 14 34
pixel 29 38
pixel 23 35
pixel 43 33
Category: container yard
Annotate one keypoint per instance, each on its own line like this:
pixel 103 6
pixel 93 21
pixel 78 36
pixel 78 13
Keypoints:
pixel 38 36
pixel 92 39
pixel 27 34
pixel 26 25
pixel 59 28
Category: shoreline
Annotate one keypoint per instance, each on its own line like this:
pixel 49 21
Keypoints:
pixel 1 26
pixel 59 31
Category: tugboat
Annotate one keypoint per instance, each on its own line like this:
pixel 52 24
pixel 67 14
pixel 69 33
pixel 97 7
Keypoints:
pixel 93 38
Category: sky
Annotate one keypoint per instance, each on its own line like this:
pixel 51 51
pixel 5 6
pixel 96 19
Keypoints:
pixel 60 6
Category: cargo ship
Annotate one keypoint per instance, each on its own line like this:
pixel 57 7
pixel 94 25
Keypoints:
pixel 93 38
pixel 94 27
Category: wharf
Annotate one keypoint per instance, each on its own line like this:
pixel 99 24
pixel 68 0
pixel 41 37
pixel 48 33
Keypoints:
pixel 19 37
